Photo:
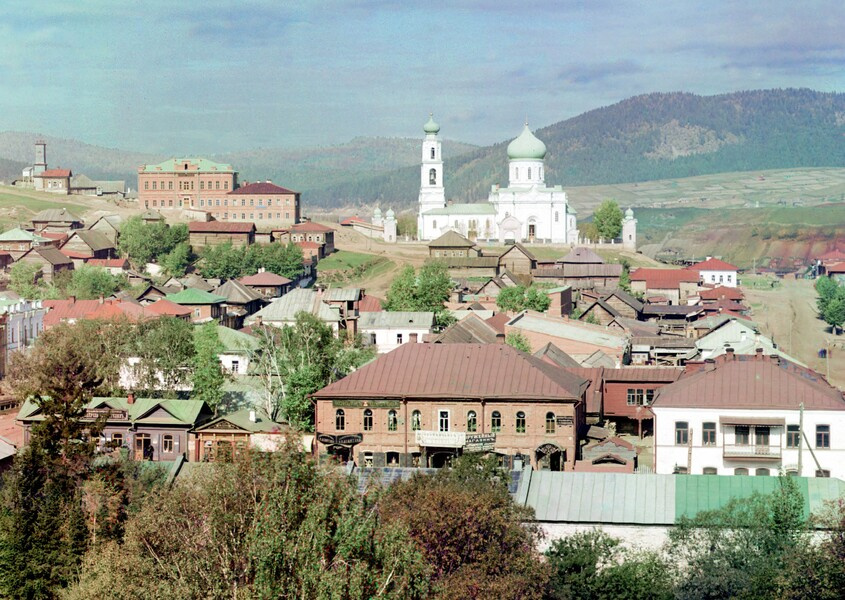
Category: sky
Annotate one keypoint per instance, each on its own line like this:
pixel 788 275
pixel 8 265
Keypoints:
pixel 212 77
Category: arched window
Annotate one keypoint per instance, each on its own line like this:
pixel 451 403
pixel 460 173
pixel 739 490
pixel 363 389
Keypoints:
pixel 496 422
pixel 432 152
pixel 432 176
pixel 339 419
pixel 392 421
pixel 557 216
pixel 550 422
pixel 740 471
pixel 710 471
pixel 516 172
pixel 368 420
pixel 762 472
pixel 529 172
pixel 520 422
pixel 472 422
pixel 416 420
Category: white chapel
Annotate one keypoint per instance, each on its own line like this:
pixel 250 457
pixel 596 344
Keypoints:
pixel 527 210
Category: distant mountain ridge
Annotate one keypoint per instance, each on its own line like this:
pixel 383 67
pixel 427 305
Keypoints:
pixel 647 137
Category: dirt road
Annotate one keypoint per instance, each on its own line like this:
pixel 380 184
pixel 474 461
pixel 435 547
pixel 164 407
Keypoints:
pixel 787 314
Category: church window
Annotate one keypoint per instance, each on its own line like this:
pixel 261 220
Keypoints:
pixel 529 172
pixel 432 153
pixel 516 173
pixel 557 216
pixel 434 224
pixel 432 177
pixel 541 172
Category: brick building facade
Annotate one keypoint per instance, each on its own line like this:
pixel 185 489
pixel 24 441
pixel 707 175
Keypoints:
pixel 184 183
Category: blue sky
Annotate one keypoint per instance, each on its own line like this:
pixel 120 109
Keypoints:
pixel 221 76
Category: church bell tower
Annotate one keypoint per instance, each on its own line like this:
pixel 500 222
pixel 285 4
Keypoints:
pixel 432 193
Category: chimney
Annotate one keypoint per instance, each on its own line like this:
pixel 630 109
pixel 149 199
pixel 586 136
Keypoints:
pixel 500 338
pixel 102 299
pixel 72 299
pixel 130 398
pixel 709 365
pixel 252 416
pixel 758 354
pixel 774 358
pixel 729 352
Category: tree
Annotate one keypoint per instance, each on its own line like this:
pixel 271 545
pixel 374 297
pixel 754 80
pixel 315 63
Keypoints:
pixel 834 313
pixel 423 291
pixel 88 283
pixel 143 242
pixel 177 261
pixel 518 298
pixel 536 299
pixel 608 220
pixel 625 277
pixel 223 261
pixel 24 277
pixel 165 349
pixel 517 340
pixel 208 377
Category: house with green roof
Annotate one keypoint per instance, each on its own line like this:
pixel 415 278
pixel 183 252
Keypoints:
pixel 151 428
pixel 16 242
pixel 223 437
pixel 236 349
pixel 206 306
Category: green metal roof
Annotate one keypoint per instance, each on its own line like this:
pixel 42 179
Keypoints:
pixel 431 126
pixel 240 420
pixel 195 296
pixel 17 234
pixel 526 146
pixel 652 499
pixel 182 412
pixel 475 208
pixel 235 341
pixel 172 164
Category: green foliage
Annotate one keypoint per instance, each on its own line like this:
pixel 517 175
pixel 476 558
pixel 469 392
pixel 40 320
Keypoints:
pixel 608 220
pixel 592 319
pixel 207 379
pixel 24 278
pixel 625 277
pixel 406 225
pixel 831 302
pixel 517 340
pixel 165 348
pixel 177 261
pixel 588 230
pixel 88 283
pixel 85 283
pixel 518 298
pixel 293 362
pixel 423 291
pixel 143 242
pixel 227 262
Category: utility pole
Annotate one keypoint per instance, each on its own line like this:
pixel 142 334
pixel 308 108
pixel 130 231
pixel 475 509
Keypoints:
pixel 800 439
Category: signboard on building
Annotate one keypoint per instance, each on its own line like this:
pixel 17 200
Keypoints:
pixel 366 403
pixel 480 442
pixel 341 439
pixel 110 413
pixel 562 421
pixel 441 439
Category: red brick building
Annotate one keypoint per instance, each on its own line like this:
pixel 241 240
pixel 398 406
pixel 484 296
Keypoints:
pixel 259 203
pixel 423 404
pixel 314 232
pixel 184 183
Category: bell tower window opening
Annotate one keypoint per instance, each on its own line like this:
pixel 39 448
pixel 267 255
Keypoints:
pixel 432 153
pixel 432 177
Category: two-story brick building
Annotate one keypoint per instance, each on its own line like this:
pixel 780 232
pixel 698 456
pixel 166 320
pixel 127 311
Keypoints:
pixel 424 404
pixel 184 183
pixel 260 203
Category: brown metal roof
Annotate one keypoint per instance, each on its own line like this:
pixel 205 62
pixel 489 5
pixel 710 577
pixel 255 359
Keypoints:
pixel 759 382
pixel 594 393
pixel 458 371
pixel 451 239
pixel 472 329
pixel 220 227
pixel 664 279
pixel 580 270
pixel 581 256
pixel 644 374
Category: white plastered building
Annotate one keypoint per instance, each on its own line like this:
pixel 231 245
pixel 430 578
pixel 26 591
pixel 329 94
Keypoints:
pixel 527 210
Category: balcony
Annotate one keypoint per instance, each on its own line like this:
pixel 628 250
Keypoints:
pixel 751 452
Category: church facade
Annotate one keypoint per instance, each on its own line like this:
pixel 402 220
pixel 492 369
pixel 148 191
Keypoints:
pixel 527 210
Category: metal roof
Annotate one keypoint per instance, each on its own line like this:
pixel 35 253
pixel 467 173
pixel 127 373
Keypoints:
pixel 395 320
pixel 472 329
pixel 475 208
pixel 568 329
pixel 284 309
pixel 342 294
pixel 451 239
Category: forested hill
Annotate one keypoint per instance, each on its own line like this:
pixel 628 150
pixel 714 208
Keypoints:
pixel 654 136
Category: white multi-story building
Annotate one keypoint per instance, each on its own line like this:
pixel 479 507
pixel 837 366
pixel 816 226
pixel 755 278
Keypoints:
pixel 24 322
pixel 750 415
pixel 716 272
pixel 527 210
pixel 389 330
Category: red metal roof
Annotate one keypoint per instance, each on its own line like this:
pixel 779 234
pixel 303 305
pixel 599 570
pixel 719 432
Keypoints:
pixel 309 244
pixel 310 226
pixel 165 307
pixel 262 187
pixel 114 263
pixel 369 304
pixel 751 382
pixel 834 255
pixel 55 173
pixel 712 264
pixel 644 374
pixel 75 254
pixel 264 279
pixel 720 292
pixel 53 235
pixel 664 279
pixel 836 268
pixel 498 321
pixel 64 310
pixel 352 220
pixel 220 227
pixel 458 371
pixel 594 392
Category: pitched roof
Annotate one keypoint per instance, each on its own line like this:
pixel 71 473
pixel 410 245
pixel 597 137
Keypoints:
pixel 310 226
pixel 369 304
pixel 192 296
pixel 93 239
pixel 235 341
pixel 635 327
pixel 661 279
pixel 522 249
pixel 593 375
pixel 451 239
pixel 712 264
pixel 182 412
pixel 173 164
pixel 472 329
pixel 51 255
pixel 677 310
pixel 395 320
pixel 599 359
pixel 265 278
pixel 55 173
pixel 261 187
pixel 342 294
pixel 236 292
pixel 220 227
pixel 626 298
pixel 581 256
pixel 751 382
pixel 240 420
pixel 21 235
pixel 569 329
pixel 643 374
pixel 729 293
pixel 498 321
pixel 457 371
pixel 60 215
pixel 578 270
pixel 152 215
pixel 112 263
pixel 554 355
pixel 284 309
pixel 165 307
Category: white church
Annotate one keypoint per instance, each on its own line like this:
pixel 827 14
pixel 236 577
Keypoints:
pixel 527 210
